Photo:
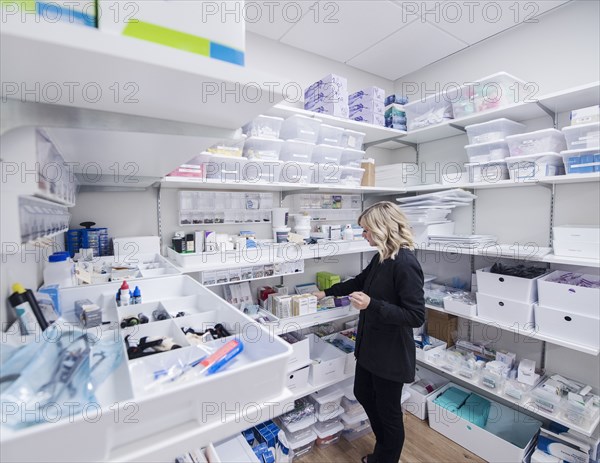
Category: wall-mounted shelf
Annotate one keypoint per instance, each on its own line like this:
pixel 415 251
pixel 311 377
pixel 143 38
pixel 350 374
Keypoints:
pixel 286 325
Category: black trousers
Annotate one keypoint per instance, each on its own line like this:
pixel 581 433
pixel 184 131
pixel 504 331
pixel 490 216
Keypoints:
pixel 381 400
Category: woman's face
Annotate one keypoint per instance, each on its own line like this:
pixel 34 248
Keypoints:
pixel 367 235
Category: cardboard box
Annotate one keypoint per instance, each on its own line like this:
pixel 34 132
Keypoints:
pixel 442 326
pixel 326 280
pixel 368 178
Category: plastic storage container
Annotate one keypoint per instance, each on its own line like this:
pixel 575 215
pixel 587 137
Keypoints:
pixel 263 126
pixel 330 135
pixel 355 426
pixel 297 151
pixel 489 151
pixel 222 167
pixel 262 148
pixel 228 147
pixel 582 161
pixel 352 139
pixel 582 136
pixel 60 270
pixel 328 174
pixel 327 401
pixel 258 170
pixel 299 127
pixel 487 172
pixel 535 166
pixel 488 93
pixel 297 172
pixel 325 154
pixel 328 436
pixel 434 110
pixel 540 141
pixel 351 176
pixel 352 158
pixel 301 447
pixel 495 130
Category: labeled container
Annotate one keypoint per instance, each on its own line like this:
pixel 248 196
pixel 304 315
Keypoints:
pixel 570 297
pixel 224 168
pixel 297 172
pixel 327 401
pixel 583 161
pixel 352 158
pixel 60 270
pixel 263 148
pixel 298 127
pixel 505 311
pixel 535 166
pixel 352 139
pixel 326 174
pixel 355 426
pixel 325 154
pixel 280 234
pixel 351 176
pixel 540 141
pixel 583 136
pixel 487 172
pixel 328 435
pixel 490 151
pixel 228 147
pixel 330 135
pixel 506 286
pixel 297 151
pixel 434 110
pixel 301 447
pixel 568 326
pixel 261 171
pixel 495 130
pixel 264 127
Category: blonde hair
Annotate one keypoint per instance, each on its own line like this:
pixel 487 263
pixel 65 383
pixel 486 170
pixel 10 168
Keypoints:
pixel 389 228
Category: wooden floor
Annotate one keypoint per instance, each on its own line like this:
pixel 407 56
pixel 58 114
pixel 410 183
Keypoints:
pixel 422 445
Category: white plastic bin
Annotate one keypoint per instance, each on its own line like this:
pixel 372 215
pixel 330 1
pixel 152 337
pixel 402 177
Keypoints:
pixel 540 141
pixel 325 154
pixel 506 286
pixel 329 364
pixel 505 311
pixel 416 403
pixel 263 148
pixel 301 447
pixel 489 151
pixel 224 168
pixel 569 297
pixel 264 127
pixel 495 130
pixel 298 127
pixel 568 326
pixel 486 94
pixel 583 161
pixel 327 401
pixel 582 136
pixel 297 151
pixel 297 380
pixel 263 171
pixel 352 139
pixel 328 436
pixel 352 158
pixel 577 233
pixel 326 174
pixel 228 147
pixel 535 166
pixel 487 172
pixel 330 135
pixel 583 250
pixel 434 110
pixel 297 172
pixel 351 176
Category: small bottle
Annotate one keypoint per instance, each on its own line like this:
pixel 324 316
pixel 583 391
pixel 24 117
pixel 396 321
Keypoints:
pixel 29 312
pixel 137 296
pixel 143 318
pixel 348 234
pixel 125 295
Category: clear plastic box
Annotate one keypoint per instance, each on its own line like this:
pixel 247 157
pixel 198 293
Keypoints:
pixel 352 139
pixel 487 172
pixel 297 172
pixel 262 148
pixel 495 130
pixel 327 401
pixel 228 147
pixel 352 407
pixel 297 151
pixel 434 110
pixel 256 170
pixel 492 92
pixel 582 161
pixel 352 158
pixel 351 176
pixel 299 127
pixel 489 151
pixel 330 135
pixel 224 168
pixel 535 166
pixel 325 154
pixel 263 126
pixel 327 437
pixel 540 141
pixel 583 136
pixel 303 446
pixel 326 174
pixel 545 400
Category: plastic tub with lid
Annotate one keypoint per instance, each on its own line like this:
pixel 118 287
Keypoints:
pixel 298 127
pixel 487 172
pixel 297 172
pixel 540 141
pixel 326 154
pixel 301 447
pixel 583 136
pixel 330 135
pixel 327 400
pixel 351 176
pixel 352 158
pixel 352 139
pixel 267 149
pixel 535 166
pixel 495 130
pixel 489 151
pixel 582 161
pixel 328 436
pixel 297 151
pixel 263 126
pixel 228 147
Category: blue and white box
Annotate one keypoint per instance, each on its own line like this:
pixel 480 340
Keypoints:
pixel 366 103
pixel 398 99
pixel 328 84
pixel 369 117
pixel 375 93
pixel 333 109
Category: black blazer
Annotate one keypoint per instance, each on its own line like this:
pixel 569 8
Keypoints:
pixel 384 342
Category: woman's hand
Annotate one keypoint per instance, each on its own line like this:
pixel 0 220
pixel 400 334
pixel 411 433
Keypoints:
pixel 360 300
pixel 319 294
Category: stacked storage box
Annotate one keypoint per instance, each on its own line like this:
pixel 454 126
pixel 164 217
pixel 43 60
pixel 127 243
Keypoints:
pixel 582 155
pixel 368 105
pixel 580 241
pixel 297 425
pixel 569 307
pixel 328 96
pixel 425 384
pixel 395 116
pixel 535 154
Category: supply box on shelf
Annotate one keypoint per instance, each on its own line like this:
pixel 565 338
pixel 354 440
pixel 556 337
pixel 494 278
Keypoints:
pixel 581 241
pixel 540 141
pixel 582 161
pixel 582 136
pixel 495 130
pixel 535 166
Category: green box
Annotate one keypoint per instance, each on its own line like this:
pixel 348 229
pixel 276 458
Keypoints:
pixel 326 280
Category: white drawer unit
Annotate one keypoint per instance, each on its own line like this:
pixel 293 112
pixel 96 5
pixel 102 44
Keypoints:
pixel 506 286
pixel 568 326
pixel 567 297
pixel 505 311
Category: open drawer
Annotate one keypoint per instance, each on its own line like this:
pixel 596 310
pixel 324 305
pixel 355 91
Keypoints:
pixel 134 422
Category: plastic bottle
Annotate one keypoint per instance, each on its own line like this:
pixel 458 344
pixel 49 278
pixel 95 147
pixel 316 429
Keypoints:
pixel 348 234
pixel 137 296
pixel 60 270
pixel 29 312
pixel 125 297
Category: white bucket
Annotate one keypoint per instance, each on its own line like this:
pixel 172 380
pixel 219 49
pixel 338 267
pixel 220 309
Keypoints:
pixel 301 220
pixel 304 232
pixel 280 234
pixel 279 217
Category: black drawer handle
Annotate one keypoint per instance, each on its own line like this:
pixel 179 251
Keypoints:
pixel 501 304
pixel 501 280
pixel 567 318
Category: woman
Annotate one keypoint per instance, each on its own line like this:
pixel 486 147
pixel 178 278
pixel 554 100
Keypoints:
pixel 389 295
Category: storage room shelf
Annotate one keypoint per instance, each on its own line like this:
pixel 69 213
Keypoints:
pixel 523 332
pixel 139 68
pixel 309 389
pixel 573 178
pixel 499 251
pixel 286 325
pixel 374 134
pixel 253 279
pixel 552 259
pixel 588 431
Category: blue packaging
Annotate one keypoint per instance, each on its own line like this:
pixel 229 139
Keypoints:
pixel 374 93
pixel 587 159
pixel 597 161
pixel 368 104
pixel 52 291
pixel 399 99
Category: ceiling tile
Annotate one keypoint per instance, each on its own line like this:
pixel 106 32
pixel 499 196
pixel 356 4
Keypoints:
pixel 406 51
pixel 472 22
pixel 273 19
pixel 344 29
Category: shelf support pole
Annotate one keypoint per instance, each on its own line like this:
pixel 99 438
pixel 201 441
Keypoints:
pixel 549 112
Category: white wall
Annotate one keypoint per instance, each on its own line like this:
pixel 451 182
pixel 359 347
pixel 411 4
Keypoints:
pixel 558 52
